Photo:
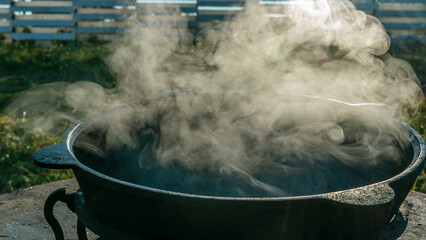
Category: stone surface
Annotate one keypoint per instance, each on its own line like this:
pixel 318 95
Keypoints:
pixel 21 214
pixel 416 228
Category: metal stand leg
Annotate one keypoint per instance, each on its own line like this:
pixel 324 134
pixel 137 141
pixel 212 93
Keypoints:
pixel 60 195
pixel 81 231
pixel 48 212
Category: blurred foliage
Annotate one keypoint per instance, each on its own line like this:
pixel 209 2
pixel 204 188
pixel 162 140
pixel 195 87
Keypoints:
pixel 93 38
pixel 23 66
pixel 418 122
pixel 414 52
pixel 17 145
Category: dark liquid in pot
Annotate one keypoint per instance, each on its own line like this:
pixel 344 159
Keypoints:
pixel 276 174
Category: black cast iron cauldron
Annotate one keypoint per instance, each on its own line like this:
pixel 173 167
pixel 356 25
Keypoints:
pixel 156 213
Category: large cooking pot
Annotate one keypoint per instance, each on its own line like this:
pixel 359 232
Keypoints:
pixel 115 191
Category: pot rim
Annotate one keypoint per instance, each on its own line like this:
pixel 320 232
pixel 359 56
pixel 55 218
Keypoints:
pixel 66 145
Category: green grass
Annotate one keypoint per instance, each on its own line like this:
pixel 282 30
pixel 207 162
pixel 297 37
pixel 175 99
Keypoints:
pixel 26 66
pixel 23 66
pixel 16 148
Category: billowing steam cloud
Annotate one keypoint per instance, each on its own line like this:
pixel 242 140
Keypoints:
pixel 249 130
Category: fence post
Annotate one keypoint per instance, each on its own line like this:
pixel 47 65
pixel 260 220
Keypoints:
pixel 375 10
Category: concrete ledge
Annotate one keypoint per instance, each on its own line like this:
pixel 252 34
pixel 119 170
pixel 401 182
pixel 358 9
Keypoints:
pixel 21 214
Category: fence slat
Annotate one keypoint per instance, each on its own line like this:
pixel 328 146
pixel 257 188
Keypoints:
pixel 402 1
pixel 102 3
pixel 401 13
pixel 5 29
pixel 100 16
pixel 165 10
pixel 189 2
pixel 402 26
pixel 5 2
pixel 41 9
pixel 43 23
pixel 154 24
pixel 99 30
pixel 408 37
pixel 164 37
pixel 42 36
pixel 218 3
pixel 4 15
pixel 367 6
pixel 214 17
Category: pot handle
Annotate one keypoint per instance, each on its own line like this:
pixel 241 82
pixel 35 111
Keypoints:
pixel 56 157
pixel 371 195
